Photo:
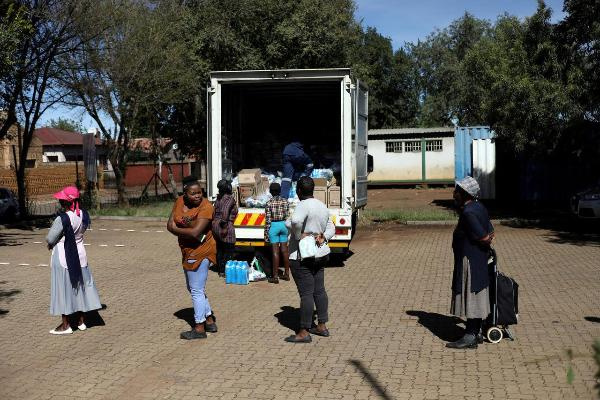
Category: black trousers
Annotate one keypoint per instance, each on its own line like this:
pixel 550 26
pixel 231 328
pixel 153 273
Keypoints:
pixel 225 252
pixel 309 276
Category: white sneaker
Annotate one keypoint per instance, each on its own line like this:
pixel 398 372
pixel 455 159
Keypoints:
pixel 67 331
pixel 82 327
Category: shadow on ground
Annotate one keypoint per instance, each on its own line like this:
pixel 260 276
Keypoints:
pixel 289 317
pixel 564 227
pixel 13 239
pixel 443 326
pixel 92 318
pixel 371 379
pixel 593 319
pixel 563 230
pixel 338 260
pixel 6 296
pixel 187 315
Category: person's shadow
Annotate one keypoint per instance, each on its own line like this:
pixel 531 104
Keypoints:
pixel 186 314
pixel 444 327
pixel 289 317
pixel 92 318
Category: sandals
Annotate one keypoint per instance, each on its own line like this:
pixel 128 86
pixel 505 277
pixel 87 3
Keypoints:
pixel 274 280
pixel 293 339
pixel 191 335
pixel 67 331
pixel 317 332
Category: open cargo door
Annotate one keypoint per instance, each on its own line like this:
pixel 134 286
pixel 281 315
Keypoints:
pixel 213 138
pixel 361 127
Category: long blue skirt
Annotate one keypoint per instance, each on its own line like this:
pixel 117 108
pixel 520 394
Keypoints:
pixel 66 300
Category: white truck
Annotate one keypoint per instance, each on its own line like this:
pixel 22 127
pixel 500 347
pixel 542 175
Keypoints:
pixel 252 115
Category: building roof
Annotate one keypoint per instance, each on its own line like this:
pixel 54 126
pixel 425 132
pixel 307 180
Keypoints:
pixel 412 131
pixel 58 137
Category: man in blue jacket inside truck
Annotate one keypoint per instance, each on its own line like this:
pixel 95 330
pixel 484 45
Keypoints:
pixel 296 163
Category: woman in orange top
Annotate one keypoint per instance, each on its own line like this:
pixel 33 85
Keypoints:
pixel 190 221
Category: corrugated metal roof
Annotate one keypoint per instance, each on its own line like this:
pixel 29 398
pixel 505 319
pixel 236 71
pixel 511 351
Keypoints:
pixel 411 131
pixel 54 137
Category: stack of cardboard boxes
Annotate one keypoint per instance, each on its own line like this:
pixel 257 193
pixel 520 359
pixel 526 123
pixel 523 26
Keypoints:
pixel 249 183
pixel 252 184
pixel 328 192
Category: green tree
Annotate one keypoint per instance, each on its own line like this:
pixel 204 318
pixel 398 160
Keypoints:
pixel 14 28
pixel 66 124
pixel 444 94
pixel 29 86
pixel 135 71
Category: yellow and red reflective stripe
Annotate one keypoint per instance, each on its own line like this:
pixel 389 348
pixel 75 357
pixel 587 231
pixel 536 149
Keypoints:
pixel 250 219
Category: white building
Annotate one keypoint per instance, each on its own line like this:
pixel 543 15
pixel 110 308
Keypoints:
pixel 412 156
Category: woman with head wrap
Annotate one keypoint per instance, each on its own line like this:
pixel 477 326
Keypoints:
pixel 226 211
pixel 72 287
pixel 190 221
pixel 471 245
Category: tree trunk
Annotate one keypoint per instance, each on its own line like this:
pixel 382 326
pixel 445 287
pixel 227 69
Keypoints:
pixel 22 190
pixel 174 192
pixel 118 169
pixel 120 181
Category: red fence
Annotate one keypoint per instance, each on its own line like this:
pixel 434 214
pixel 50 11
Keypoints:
pixel 139 174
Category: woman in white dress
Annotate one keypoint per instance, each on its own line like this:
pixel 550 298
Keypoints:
pixel 72 286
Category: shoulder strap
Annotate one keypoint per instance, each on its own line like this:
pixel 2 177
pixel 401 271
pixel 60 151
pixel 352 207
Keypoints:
pixel 71 252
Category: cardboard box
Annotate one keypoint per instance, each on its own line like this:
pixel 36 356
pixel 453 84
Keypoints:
pixel 236 195
pixel 321 182
pixel 334 197
pixel 247 191
pixel 264 182
pixel 249 176
pixel 320 193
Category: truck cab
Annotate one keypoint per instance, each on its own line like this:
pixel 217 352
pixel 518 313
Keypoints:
pixel 253 115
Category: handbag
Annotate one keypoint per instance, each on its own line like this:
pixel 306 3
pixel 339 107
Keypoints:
pixel 307 246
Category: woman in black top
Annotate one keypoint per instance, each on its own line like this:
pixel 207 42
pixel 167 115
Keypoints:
pixel 471 245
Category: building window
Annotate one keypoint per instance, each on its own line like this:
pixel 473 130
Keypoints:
pixel 52 158
pixel 29 163
pixel 433 145
pixel 393 147
pixel 412 146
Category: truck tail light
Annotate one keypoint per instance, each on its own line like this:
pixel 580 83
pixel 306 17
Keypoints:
pixel 343 221
pixel 341 231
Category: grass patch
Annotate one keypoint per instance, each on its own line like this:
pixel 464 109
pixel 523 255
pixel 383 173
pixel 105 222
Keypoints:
pixel 157 209
pixel 402 216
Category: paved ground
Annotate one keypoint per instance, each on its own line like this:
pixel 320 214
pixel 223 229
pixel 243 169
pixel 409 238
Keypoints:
pixel 389 324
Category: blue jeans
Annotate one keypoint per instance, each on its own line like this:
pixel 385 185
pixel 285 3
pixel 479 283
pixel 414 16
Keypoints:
pixel 196 282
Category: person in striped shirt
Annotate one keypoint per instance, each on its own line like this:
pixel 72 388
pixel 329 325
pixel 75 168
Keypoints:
pixel 276 212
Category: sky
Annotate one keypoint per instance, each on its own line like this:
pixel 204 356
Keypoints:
pixel 400 20
pixel 411 20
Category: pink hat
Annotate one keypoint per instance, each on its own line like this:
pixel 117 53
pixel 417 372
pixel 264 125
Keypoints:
pixel 68 193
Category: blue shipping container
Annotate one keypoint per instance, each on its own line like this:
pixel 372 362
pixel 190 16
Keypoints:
pixel 463 148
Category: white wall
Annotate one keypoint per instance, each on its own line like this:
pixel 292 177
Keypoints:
pixel 439 165
pixel 59 154
pixel 405 166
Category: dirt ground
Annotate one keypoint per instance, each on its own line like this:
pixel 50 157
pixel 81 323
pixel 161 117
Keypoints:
pixel 409 198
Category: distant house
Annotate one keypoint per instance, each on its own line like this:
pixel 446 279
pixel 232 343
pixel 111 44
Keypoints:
pixel 62 146
pixel 412 156
pixel 9 149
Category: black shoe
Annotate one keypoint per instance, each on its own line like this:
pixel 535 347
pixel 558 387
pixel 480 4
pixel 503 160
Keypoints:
pixel 293 339
pixel 468 341
pixel 221 274
pixel 479 338
pixel 193 334
pixel 211 328
pixel 317 332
